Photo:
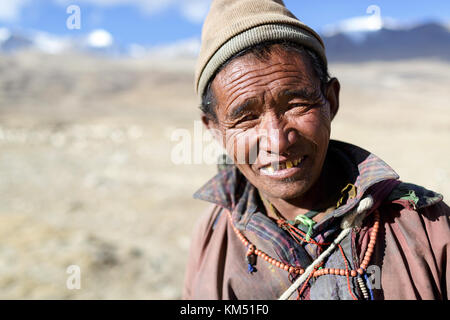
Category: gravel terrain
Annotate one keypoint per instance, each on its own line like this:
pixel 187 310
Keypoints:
pixel 87 177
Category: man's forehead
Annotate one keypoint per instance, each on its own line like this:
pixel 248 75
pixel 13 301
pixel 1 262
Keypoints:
pixel 272 61
pixel 278 72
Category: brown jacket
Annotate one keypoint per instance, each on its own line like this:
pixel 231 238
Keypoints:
pixel 410 260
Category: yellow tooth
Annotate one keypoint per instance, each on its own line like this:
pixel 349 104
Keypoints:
pixel 288 164
pixel 270 169
pixel 295 162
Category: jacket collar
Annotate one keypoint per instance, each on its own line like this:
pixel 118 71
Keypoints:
pixel 231 190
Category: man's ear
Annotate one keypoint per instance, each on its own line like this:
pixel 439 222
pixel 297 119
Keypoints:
pixel 332 95
pixel 207 121
pixel 213 127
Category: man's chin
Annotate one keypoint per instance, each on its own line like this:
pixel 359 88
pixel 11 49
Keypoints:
pixel 287 190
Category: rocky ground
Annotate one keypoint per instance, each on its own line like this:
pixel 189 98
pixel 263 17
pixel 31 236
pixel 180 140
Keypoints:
pixel 87 177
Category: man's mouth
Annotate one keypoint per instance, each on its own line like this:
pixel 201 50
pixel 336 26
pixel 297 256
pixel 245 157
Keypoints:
pixel 282 168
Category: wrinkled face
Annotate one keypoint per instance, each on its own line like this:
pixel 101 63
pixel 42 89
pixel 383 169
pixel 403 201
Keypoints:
pixel 274 120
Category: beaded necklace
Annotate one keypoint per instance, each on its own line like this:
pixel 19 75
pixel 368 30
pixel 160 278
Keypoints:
pixel 253 253
pixel 301 219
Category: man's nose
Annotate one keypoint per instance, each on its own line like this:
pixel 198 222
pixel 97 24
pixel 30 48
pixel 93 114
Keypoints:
pixel 275 136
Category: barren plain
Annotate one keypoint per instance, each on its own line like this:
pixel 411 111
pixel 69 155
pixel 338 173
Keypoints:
pixel 86 176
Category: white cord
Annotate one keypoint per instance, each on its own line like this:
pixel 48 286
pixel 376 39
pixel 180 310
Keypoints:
pixel 348 222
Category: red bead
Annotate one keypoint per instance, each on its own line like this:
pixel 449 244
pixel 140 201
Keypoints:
pixel 331 270
pixel 342 272
pixel 360 271
pixel 286 268
pixel 326 271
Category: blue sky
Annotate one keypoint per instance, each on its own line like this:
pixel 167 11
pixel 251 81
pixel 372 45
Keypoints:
pixel 153 22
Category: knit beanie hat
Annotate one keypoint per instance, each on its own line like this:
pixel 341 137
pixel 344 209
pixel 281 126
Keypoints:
pixel 233 25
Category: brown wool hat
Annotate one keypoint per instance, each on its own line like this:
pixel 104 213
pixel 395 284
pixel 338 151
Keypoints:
pixel 233 25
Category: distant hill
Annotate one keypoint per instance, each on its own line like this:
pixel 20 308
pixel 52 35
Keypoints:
pixel 429 40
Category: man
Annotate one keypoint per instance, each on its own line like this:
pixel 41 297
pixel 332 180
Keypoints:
pixel 296 215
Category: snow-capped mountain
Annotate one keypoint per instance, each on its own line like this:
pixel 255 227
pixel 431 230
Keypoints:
pixel 430 40
pixel 97 41
pixel 355 39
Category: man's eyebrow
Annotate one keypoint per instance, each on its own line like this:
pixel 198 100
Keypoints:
pixel 305 93
pixel 238 111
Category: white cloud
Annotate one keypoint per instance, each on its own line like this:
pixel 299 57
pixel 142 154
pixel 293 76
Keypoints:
pixel 4 34
pixel 10 9
pixel 49 43
pixel 371 22
pixel 193 10
pixel 100 39
pixel 189 47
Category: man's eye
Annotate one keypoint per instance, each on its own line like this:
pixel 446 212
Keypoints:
pixel 299 105
pixel 302 107
pixel 249 117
